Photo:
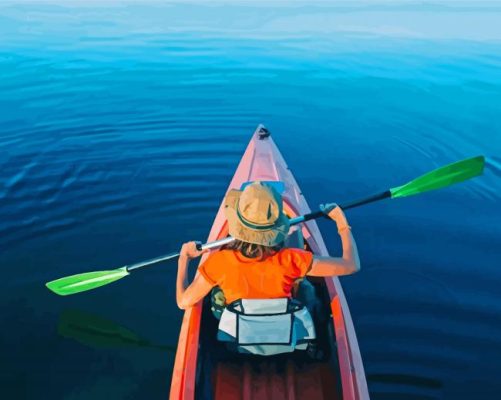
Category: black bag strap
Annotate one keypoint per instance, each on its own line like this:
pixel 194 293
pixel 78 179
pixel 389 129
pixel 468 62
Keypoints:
pixel 237 307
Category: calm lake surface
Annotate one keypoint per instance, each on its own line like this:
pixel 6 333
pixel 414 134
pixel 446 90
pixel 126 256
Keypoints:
pixel 121 127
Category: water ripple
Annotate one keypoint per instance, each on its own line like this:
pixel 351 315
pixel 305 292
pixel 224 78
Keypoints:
pixel 118 132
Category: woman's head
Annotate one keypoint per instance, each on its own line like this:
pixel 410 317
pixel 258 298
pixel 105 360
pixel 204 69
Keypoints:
pixel 255 215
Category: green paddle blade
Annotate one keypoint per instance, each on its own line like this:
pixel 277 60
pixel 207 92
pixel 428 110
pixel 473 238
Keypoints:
pixel 86 281
pixel 441 177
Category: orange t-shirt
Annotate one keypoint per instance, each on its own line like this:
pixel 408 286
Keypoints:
pixel 241 277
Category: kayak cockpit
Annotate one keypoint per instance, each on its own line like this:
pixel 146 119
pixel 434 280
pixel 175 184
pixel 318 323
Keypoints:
pixel 225 374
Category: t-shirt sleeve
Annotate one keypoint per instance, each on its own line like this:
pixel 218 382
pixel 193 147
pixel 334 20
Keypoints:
pixel 211 269
pixel 300 261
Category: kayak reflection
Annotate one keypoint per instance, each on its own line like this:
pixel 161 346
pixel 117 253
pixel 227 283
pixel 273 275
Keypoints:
pixel 97 332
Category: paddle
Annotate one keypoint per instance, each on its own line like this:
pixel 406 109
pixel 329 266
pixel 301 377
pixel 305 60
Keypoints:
pixel 437 179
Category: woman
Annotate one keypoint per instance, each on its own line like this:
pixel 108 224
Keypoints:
pixel 257 265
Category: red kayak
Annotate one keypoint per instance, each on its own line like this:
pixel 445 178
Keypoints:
pixel 205 369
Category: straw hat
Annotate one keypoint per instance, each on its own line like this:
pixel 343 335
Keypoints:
pixel 255 215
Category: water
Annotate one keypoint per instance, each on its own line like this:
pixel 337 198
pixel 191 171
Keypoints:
pixel 121 126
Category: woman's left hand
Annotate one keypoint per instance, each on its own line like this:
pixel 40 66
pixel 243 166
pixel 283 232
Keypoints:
pixel 334 212
pixel 189 251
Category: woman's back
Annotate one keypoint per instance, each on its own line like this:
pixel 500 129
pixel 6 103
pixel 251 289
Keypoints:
pixel 242 277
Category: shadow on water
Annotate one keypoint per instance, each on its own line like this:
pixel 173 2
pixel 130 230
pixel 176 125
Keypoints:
pixel 97 332
pixel 402 379
pixel 401 386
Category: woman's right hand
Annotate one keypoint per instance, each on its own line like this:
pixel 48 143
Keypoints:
pixel 335 213
pixel 189 251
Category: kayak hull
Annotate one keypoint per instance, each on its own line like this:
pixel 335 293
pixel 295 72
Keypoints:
pixel 286 377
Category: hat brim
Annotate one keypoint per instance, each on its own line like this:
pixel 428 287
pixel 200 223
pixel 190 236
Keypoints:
pixel 267 237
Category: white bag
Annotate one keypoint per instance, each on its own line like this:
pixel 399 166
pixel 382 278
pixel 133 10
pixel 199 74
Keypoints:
pixel 266 326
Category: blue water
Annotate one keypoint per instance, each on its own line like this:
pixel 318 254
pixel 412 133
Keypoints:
pixel 121 126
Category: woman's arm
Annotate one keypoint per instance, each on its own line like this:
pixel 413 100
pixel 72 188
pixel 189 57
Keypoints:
pixel 349 263
pixel 187 296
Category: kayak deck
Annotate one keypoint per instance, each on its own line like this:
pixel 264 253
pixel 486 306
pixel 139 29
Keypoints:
pixel 204 369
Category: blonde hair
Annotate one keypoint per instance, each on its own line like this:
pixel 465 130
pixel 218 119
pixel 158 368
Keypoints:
pixel 253 250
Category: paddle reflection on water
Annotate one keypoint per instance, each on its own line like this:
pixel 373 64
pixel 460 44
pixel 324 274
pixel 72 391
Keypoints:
pixel 97 332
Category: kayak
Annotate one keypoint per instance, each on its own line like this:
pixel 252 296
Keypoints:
pixel 205 369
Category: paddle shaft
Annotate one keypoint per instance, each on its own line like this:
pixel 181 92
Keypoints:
pixel 228 240
pixel 353 204
pixel 151 261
